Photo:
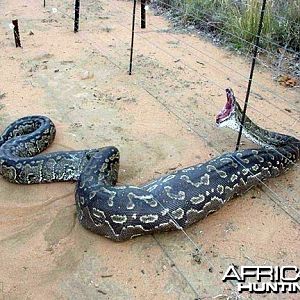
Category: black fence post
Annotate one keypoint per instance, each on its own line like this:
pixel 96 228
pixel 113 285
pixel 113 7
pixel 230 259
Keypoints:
pixel 76 20
pixel 16 33
pixel 44 3
pixel 132 37
pixel 255 49
pixel 143 14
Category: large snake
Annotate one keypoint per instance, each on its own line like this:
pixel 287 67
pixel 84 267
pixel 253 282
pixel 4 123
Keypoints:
pixel 173 201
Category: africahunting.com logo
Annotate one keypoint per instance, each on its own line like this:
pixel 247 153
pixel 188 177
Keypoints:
pixel 264 279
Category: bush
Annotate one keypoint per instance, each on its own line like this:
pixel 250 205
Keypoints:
pixel 237 20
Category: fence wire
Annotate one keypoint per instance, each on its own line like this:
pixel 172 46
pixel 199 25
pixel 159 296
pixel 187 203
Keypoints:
pixel 276 198
pixel 281 200
pixel 220 87
pixel 261 87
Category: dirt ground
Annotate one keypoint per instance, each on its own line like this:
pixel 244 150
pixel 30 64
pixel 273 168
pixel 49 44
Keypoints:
pixel 161 118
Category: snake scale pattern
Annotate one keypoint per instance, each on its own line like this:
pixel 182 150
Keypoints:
pixel 173 201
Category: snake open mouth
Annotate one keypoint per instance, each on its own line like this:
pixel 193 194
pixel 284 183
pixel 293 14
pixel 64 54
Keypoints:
pixel 228 109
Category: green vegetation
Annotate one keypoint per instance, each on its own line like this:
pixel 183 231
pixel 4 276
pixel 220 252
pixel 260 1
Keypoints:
pixel 236 21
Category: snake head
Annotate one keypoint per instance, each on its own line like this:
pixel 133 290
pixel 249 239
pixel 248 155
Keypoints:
pixel 228 110
pixel 230 113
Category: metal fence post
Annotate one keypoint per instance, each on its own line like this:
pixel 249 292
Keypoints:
pixel 251 72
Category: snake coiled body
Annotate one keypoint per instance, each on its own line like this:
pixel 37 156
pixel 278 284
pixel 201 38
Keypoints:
pixel 173 201
pixel 23 140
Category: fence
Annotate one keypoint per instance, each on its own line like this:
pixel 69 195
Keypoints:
pixel 243 79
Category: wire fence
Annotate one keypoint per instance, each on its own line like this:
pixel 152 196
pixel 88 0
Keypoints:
pixel 178 99
pixel 219 69
pixel 281 59
pixel 275 197
pixel 284 204
pixel 218 85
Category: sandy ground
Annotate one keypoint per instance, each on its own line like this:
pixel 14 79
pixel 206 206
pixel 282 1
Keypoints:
pixel 161 118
